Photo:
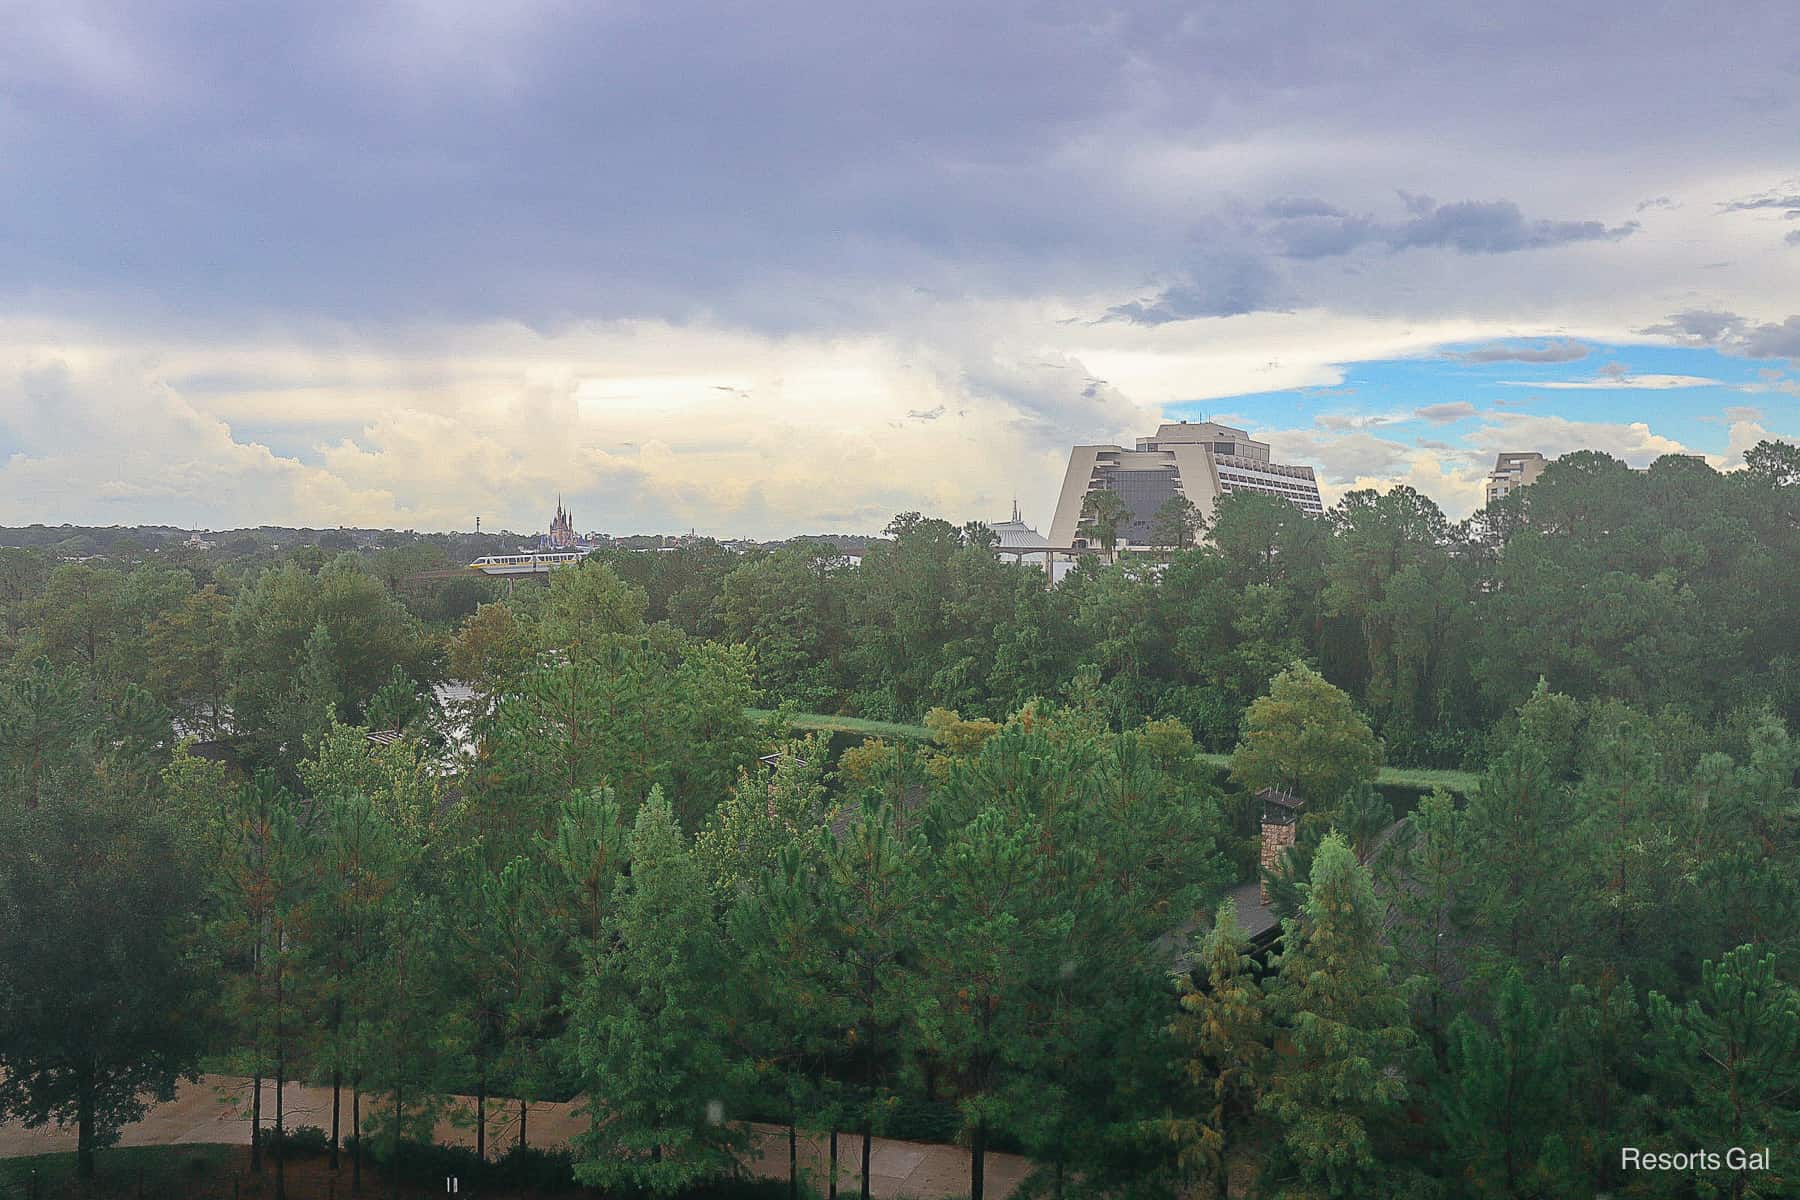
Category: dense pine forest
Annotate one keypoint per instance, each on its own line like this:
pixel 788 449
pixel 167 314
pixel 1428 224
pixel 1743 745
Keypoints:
pixel 246 828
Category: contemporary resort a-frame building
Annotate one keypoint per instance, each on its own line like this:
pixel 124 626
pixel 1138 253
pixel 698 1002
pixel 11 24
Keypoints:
pixel 1202 461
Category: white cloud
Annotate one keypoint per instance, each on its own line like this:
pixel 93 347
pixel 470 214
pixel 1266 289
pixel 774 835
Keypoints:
pixel 641 425
pixel 1617 382
pixel 1633 442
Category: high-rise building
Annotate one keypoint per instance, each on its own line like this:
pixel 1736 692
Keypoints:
pixel 1202 461
pixel 1512 472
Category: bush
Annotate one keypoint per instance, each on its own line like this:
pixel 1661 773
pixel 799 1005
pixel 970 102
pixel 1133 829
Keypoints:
pixel 296 1140
pixel 525 1168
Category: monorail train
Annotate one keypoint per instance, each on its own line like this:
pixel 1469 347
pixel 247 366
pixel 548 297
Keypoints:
pixel 526 562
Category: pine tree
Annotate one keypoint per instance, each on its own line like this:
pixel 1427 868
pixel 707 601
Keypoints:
pixel 1601 1030
pixel 1730 1059
pixel 788 1016
pixel 257 886
pixel 1344 1033
pixel 652 1044
pixel 1427 883
pixel 871 928
pixel 1224 1030
pixel 990 922
pixel 355 851
pixel 505 959
pixel 406 1050
pixel 1500 1100
pixel 1521 882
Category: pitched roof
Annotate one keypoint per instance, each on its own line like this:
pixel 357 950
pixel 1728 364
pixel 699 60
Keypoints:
pixel 1282 797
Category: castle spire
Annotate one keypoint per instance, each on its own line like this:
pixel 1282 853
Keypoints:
pixel 1016 518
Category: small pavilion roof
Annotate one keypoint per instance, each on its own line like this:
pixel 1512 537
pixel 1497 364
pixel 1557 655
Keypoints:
pixel 1282 798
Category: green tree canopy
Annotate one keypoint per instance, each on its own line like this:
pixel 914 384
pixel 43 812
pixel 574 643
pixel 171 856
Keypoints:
pixel 1305 737
pixel 100 993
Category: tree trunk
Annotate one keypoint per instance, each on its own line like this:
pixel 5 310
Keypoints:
pixel 337 1091
pixel 522 1107
pixel 394 1142
pixel 256 1117
pixel 481 1116
pixel 868 1129
pixel 831 1188
pixel 84 1129
pixel 280 1128
pixel 977 1160
pixel 356 1132
pixel 793 1163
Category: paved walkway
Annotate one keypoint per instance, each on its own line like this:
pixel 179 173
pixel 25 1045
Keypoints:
pixel 217 1110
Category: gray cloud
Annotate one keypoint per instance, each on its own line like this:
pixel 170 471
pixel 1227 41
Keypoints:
pixel 1698 327
pixel 1309 229
pixel 1773 341
pixel 1296 207
pixel 799 165
pixel 1497 227
pixel 1557 350
pixel 1226 286
pixel 1733 334
pixel 1304 229
pixel 1443 414
pixel 1773 199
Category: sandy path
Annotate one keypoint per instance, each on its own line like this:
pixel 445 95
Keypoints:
pixel 217 1110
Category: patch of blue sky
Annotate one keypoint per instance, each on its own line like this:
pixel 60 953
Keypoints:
pixel 1680 392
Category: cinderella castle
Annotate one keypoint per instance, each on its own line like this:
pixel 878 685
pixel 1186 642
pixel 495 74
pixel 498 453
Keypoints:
pixel 562 535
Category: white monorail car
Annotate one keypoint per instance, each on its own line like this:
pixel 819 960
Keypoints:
pixel 526 562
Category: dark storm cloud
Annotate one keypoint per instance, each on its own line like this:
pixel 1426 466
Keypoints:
pixel 791 164
pixel 1558 350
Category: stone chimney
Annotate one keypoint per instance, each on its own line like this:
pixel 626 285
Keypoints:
pixel 1281 813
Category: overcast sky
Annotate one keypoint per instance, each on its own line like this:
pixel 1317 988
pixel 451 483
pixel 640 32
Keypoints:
pixel 777 268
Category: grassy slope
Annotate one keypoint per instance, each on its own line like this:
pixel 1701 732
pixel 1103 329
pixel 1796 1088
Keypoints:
pixel 1422 778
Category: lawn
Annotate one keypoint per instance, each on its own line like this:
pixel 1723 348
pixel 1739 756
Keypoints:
pixel 821 722
pixel 1420 778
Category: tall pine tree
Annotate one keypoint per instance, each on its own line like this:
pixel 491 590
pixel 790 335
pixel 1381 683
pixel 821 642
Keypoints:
pixel 1340 1070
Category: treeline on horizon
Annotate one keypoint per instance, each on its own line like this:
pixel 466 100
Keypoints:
pixel 1676 590
pixel 1010 937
